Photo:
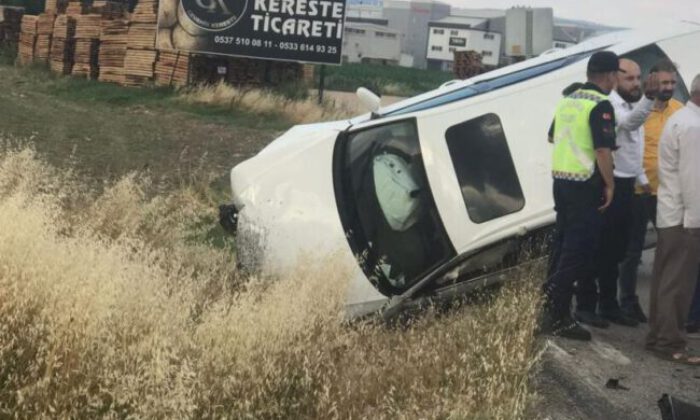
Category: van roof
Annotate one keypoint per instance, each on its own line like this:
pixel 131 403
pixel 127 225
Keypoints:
pixel 619 42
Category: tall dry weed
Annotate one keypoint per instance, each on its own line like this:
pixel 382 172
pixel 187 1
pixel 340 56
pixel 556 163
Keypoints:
pixel 264 102
pixel 108 309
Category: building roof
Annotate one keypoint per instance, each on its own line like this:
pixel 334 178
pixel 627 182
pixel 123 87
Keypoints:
pixel 469 22
pixel 479 13
pixel 372 21
pixel 357 25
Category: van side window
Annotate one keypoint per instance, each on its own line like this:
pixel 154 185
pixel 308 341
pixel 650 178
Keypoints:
pixel 646 57
pixel 387 208
pixel 485 169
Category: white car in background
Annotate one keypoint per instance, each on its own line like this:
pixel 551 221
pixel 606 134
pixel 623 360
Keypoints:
pixel 432 196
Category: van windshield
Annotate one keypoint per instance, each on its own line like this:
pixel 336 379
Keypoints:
pixel 489 85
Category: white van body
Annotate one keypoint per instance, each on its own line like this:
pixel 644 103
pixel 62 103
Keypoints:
pixel 302 194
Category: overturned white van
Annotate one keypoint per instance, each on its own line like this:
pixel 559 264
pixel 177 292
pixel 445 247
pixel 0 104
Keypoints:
pixel 431 196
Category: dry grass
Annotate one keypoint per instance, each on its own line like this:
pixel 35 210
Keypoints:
pixel 108 310
pixel 264 102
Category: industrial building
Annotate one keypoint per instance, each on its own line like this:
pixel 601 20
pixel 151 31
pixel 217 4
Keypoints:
pixel 371 43
pixel 425 29
pixel 455 33
pixel 411 19
pixel 529 32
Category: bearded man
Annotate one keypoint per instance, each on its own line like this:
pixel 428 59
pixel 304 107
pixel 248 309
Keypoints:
pixel 631 111
pixel 644 202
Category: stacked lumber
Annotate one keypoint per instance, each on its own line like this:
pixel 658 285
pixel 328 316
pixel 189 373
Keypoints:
pixel 467 64
pixel 88 26
pixel 139 64
pixel 77 7
pixel 112 54
pixel 63 45
pixel 109 9
pixel 139 67
pixel 86 58
pixel 42 47
pixel 10 25
pixel 146 11
pixel 87 42
pixel 142 36
pixel 55 7
pixel 172 68
pixel 27 39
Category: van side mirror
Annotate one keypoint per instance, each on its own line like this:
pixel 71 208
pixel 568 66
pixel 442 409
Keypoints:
pixel 369 100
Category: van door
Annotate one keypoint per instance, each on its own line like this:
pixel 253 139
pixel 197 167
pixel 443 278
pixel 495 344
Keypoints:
pixel 386 205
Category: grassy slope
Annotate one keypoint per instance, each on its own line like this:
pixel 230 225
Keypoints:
pixel 112 130
pixel 389 80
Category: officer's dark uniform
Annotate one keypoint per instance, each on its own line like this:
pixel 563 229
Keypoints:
pixel 577 198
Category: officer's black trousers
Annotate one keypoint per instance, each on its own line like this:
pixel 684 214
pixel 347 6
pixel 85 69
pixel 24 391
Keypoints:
pixel 614 239
pixel 576 240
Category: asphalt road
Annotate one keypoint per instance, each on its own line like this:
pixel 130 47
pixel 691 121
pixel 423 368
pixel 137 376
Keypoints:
pixel 574 374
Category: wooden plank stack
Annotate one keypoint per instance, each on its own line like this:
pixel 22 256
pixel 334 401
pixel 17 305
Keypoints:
pixel 113 42
pixel 63 45
pixel 146 11
pixel 77 7
pixel 27 39
pixel 139 64
pixel 467 64
pixel 139 67
pixel 109 9
pixel 42 48
pixel 172 68
pixel 55 7
pixel 87 42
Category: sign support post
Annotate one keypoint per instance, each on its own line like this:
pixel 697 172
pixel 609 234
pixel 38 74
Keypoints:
pixel 321 83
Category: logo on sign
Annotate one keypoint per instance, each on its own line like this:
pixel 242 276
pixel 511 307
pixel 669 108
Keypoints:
pixel 214 15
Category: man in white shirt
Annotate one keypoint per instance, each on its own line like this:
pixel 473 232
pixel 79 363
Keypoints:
pixel 678 224
pixel 631 111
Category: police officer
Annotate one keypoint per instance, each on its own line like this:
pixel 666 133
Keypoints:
pixel 582 168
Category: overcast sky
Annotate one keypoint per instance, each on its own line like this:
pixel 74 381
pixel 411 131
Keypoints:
pixel 622 13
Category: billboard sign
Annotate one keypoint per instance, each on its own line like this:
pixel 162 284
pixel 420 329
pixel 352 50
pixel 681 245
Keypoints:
pixel 291 30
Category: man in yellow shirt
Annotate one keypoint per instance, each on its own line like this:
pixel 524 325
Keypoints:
pixel 644 205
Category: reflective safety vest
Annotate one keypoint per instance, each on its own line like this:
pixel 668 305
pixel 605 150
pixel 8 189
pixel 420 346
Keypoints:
pixel 574 153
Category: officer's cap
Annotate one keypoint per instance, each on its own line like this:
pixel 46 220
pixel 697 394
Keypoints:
pixel 604 62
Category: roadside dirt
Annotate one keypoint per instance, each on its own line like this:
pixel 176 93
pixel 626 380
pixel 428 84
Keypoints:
pixel 572 381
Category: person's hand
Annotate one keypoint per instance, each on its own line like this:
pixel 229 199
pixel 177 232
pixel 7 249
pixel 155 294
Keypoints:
pixel 608 197
pixel 646 189
pixel 651 86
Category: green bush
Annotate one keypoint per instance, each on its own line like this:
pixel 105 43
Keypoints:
pixel 386 80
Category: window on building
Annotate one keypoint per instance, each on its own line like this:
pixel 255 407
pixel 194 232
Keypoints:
pixel 486 53
pixel 458 42
pixel 436 48
pixel 454 33
pixel 439 31
pixel 387 207
pixel 489 36
pixel 484 167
